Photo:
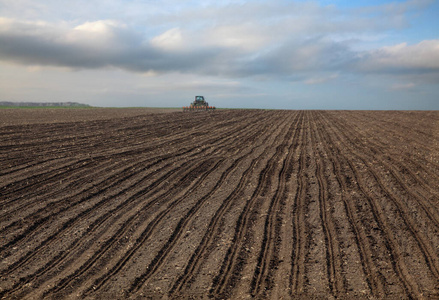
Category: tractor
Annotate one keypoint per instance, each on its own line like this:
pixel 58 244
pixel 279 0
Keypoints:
pixel 199 104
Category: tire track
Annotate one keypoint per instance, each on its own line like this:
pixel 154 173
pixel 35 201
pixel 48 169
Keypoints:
pixel 397 130
pixel 77 243
pixel 387 150
pixel 421 198
pixel 361 212
pixel 43 179
pixel 89 211
pixel 365 252
pixel 138 164
pixel 298 253
pixel 122 231
pixel 399 265
pixel 111 139
pixel 26 183
pixel 40 222
pixel 425 247
pixel 82 177
pixel 32 164
pixel 230 262
pixel 162 141
pixel 57 260
pixel 333 254
pixel 267 260
pixel 402 207
pixel 160 257
pixel 103 279
pixel 194 261
pixel 139 243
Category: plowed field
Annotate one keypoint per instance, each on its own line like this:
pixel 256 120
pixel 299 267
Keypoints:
pixel 225 204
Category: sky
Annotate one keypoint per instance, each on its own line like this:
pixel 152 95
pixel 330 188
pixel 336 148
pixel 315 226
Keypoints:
pixel 279 54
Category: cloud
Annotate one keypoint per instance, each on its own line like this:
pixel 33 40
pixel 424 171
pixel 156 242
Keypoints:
pixel 245 37
pixel 108 43
pixel 230 39
pixel 89 45
pixel 171 39
pixel 418 58
pixel 102 32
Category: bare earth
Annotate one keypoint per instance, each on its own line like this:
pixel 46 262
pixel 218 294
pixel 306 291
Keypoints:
pixel 20 116
pixel 105 204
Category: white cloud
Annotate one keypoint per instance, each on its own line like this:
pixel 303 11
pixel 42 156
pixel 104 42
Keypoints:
pixel 172 39
pixel 423 56
pixel 98 34
pixel 102 27
pixel 247 37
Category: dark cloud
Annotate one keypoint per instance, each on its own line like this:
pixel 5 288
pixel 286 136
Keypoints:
pixel 101 44
pixel 109 47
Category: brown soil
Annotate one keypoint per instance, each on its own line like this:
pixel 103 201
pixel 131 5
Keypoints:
pixel 225 204
pixel 20 116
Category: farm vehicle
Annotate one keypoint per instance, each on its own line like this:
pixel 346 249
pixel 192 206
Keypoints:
pixel 199 104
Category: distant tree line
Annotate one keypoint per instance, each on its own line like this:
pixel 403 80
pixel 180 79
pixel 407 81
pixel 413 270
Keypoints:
pixel 63 104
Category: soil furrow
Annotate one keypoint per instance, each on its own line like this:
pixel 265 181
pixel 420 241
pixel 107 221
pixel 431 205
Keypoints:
pixel 138 164
pixel 57 259
pixel 378 211
pixel 267 260
pixel 333 255
pixel 124 228
pixel 420 194
pixel 154 265
pixel 42 222
pixel 364 247
pixel 146 234
pixel 77 243
pixel 228 204
pixel 234 257
pixel 425 247
pixel 208 237
pixel 298 255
